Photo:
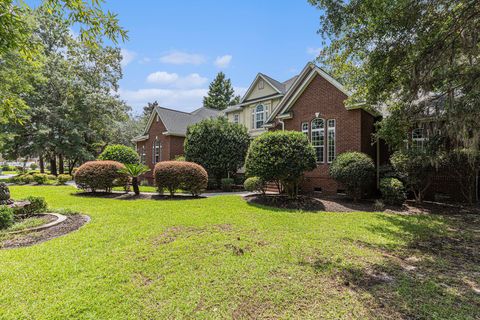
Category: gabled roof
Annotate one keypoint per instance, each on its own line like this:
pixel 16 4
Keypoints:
pixel 176 122
pixel 277 86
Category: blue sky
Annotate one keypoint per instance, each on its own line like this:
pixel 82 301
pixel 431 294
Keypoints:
pixel 177 47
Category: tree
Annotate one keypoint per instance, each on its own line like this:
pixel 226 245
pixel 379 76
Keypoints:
pixel 134 170
pixel 120 153
pixel 217 145
pixel 220 93
pixel 18 38
pixel 281 156
pixel 355 170
pixel 397 52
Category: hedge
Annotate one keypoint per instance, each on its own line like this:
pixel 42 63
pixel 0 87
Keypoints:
pixel 100 175
pixel 254 184
pixel 174 175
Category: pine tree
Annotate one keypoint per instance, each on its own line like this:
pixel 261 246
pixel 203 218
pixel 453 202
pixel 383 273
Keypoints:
pixel 220 94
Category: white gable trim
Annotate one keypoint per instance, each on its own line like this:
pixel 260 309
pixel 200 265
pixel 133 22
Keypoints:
pixel 252 86
pixel 150 120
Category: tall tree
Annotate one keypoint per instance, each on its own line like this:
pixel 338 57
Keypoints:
pixel 397 52
pixel 220 94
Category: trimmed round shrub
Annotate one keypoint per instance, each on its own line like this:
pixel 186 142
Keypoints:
pixel 37 205
pixel 120 153
pixel 227 184
pixel 51 177
pixel 26 178
pixel 6 217
pixel 63 178
pixel 281 156
pixel 40 178
pixel 174 175
pixel 254 184
pixel 355 170
pixel 393 191
pixel 100 175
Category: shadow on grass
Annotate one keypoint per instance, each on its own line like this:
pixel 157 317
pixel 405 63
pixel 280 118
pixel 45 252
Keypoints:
pixel 280 203
pixel 435 273
pixel 132 196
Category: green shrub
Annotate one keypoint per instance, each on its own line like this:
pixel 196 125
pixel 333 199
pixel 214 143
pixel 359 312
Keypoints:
pixel 26 178
pixel 6 217
pixel 40 178
pixel 227 184
pixel 33 166
pixel 393 191
pixel 378 205
pixel 180 158
pixel 355 170
pixel 254 184
pixel 37 205
pixel 281 156
pixel 174 175
pixel 51 177
pixel 119 153
pixel 63 178
pixel 6 167
pixel 100 175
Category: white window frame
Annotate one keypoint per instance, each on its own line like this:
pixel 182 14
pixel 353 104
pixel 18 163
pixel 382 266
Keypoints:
pixel 143 155
pixel 236 118
pixel 304 127
pixel 331 152
pixel 256 114
pixel 418 140
pixel 157 154
pixel 320 148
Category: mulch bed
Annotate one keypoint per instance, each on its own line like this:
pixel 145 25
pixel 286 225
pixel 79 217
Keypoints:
pixel 132 196
pixel 72 223
pixel 344 204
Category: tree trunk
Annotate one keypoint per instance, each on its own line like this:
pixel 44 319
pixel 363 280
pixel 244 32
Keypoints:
pixel 60 164
pixel 136 190
pixel 53 165
pixel 42 164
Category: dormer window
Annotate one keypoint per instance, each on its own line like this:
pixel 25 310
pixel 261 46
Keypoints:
pixel 261 85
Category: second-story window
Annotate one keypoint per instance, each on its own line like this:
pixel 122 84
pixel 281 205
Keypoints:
pixel 305 128
pixel 318 138
pixel 236 118
pixel 259 116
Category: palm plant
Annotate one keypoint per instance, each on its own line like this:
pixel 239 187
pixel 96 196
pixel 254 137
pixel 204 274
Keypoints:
pixel 134 170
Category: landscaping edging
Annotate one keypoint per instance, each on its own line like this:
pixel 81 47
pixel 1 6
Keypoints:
pixel 60 219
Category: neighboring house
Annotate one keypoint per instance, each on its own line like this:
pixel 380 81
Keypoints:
pixel 313 103
pixel 164 134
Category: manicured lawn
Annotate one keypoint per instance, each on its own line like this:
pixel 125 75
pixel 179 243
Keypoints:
pixel 220 257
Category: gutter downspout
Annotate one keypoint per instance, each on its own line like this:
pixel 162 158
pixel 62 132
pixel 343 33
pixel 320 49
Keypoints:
pixel 283 124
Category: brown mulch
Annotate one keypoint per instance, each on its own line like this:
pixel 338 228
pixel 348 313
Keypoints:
pixel 345 204
pixel 132 196
pixel 72 223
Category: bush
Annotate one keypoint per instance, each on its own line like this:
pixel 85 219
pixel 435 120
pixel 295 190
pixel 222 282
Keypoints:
pixel 393 191
pixel 26 178
pixel 37 205
pixel 227 184
pixel 281 156
pixel 254 184
pixel 173 175
pixel 100 175
pixel 355 170
pixel 217 145
pixel 40 178
pixel 63 178
pixel 51 177
pixel 33 166
pixel 6 167
pixel 119 153
pixel 6 217
pixel 378 205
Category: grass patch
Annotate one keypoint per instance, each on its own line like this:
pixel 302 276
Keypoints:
pixel 223 258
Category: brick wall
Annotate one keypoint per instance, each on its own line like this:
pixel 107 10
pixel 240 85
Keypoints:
pixel 353 128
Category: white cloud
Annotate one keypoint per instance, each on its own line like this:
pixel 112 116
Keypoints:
pixel 193 80
pixel 162 77
pixel 179 57
pixel 314 51
pixel 223 61
pixel 180 99
pixel 127 56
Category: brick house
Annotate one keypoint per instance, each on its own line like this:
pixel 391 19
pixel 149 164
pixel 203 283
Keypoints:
pixel 164 135
pixel 313 103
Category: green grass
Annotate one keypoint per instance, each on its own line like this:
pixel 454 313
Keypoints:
pixel 220 257
pixel 25 224
pixel 9 172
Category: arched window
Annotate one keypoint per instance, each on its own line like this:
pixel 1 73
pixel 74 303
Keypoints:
pixel 318 138
pixel 259 116
pixel 418 138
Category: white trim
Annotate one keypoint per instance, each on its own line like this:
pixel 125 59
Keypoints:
pixel 140 138
pixel 334 129
pixel 322 134
pixel 252 86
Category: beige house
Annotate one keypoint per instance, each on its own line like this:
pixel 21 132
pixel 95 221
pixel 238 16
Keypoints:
pixel 261 98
